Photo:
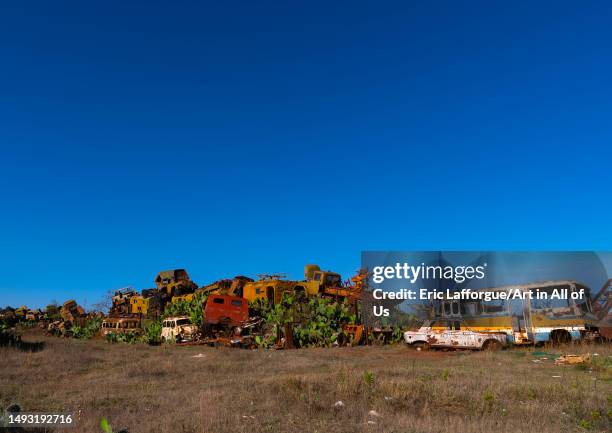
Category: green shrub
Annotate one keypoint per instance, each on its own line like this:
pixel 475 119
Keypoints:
pixel 88 330
pixel 128 337
pixel 152 332
pixel 368 378
pixel 111 337
pixel 315 321
pixel 193 309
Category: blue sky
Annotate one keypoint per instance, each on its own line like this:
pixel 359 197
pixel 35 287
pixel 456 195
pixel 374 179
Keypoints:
pixel 241 138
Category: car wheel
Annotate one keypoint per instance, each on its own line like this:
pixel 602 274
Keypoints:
pixel 421 346
pixel 491 345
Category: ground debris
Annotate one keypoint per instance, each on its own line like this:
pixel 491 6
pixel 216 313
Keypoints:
pixel 572 359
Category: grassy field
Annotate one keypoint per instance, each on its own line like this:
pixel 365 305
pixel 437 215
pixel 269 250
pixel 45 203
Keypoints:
pixel 382 389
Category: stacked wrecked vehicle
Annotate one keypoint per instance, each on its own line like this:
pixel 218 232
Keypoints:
pixel 320 310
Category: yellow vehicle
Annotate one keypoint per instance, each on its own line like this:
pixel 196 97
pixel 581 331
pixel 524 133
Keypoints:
pixel 231 287
pixel 323 278
pixel 21 312
pixel 272 288
pixel 525 321
pixel 139 305
pixel 174 282
pixel 316 283
pixel 148 304
pixel 170 286
pixel 331 285
pixel 33 315
pixel 183 298
pixel 121 301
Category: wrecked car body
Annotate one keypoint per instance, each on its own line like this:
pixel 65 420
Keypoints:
pixel 178 329
pixel 426 337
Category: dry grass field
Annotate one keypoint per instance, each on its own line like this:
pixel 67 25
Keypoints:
pixel 201 389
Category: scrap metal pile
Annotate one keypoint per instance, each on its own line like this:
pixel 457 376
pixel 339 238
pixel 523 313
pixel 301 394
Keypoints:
pixel 236 312
pixel 320 310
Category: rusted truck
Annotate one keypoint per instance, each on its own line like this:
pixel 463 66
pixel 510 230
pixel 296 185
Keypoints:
pixel 227 321
pixel 454 337
pixel 226 310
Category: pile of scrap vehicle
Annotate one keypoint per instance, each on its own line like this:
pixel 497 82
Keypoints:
pixel 228 319
pixel 54 319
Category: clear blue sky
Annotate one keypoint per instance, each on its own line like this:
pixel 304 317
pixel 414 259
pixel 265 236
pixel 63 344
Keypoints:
pixel 250 137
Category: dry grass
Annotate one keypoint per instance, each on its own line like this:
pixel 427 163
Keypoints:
pixel 166 389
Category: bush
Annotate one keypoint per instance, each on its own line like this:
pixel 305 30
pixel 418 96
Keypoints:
pixel 152 332
pixel 315 321
pixel 193 309
pixel 324 319
pixel 128 337
pixel 88 330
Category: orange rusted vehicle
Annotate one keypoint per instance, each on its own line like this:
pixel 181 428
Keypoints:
pixel 227 322
pixel 226 310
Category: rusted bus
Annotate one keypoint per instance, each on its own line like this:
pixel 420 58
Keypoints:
pixel 121 325
pixel 529 320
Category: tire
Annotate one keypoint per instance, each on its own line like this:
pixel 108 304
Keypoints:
pixel 421 346
pixel 561 336
pixel 491 346
pixel 208 330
